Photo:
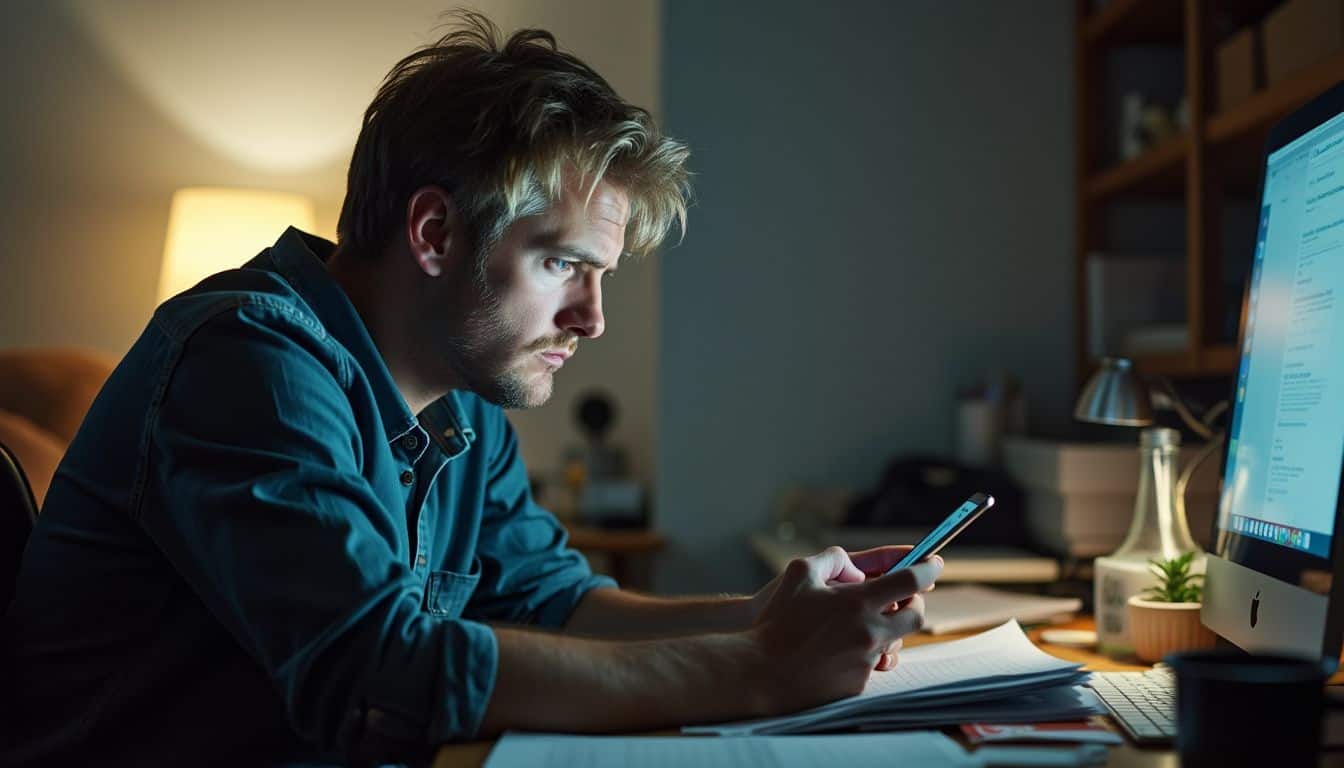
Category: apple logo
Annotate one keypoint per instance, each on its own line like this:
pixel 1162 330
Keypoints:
pixel 1255 608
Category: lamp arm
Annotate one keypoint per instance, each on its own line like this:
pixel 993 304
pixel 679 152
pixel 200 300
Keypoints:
pixel 1164 396
pixel 1214 412
pixel 1215 442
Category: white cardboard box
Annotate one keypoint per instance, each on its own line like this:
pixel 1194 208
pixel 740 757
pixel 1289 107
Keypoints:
pixel 1080 496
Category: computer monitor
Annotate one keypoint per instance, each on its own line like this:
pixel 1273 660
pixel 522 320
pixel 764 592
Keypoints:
pixel 1271 583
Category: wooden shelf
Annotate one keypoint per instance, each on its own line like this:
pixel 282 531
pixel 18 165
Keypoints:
pixel 1258 112
pixel 1160 170
pixel 1219 359
pixel 620 547
pixel 1212 172
pixel 615 540
pixel 1174 364
pixel 1132 22
pixel 1214 360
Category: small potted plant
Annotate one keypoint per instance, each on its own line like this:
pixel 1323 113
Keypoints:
pixel 1165 617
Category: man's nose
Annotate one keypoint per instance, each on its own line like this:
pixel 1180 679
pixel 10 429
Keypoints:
pixel 583 315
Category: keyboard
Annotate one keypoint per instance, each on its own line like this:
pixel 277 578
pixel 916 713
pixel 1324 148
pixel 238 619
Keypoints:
pixel 1144 703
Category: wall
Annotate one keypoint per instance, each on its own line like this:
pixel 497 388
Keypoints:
pixel 884 216
pixel 107 108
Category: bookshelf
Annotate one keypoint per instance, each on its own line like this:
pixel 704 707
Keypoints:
pixel 1215 161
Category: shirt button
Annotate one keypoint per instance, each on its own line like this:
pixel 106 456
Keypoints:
pixel 407 477
pixel 420 561
pixel 410 442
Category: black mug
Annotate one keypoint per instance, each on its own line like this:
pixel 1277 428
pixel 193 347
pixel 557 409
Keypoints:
pixel 1235 708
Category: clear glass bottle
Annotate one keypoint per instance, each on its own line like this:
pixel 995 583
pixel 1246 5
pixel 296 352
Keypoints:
pixel 1158 531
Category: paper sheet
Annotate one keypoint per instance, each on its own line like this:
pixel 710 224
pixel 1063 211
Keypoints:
pixel 1002 652
pixel 993 664
pixel 915 748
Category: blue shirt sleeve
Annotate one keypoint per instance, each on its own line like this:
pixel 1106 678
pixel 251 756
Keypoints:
pixel 254 494
pixel 528 574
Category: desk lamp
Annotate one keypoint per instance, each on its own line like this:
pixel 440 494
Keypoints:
pixel 211 229
pixel 1116 395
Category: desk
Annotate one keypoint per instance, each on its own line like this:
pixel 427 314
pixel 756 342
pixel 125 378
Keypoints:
pixel 1124 756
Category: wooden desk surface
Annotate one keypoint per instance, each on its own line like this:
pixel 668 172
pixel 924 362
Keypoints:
pixel 1124 756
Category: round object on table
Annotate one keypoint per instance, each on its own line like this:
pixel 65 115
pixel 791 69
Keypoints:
pixel 1074 638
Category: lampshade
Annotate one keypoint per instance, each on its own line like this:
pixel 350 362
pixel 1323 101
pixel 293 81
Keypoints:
pixel 1115 395
pixel 211 229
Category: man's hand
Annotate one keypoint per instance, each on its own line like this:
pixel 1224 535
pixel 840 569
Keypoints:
pixel 875 562
pixel 825 624
pixel 867 564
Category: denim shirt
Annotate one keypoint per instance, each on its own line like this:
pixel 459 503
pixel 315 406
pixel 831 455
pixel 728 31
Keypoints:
pixel 254 549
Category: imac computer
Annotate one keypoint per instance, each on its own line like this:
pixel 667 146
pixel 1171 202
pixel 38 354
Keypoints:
pixel 1270 582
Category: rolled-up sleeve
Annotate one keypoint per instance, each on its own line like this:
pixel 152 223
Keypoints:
pixel 259 502
pixel 529 575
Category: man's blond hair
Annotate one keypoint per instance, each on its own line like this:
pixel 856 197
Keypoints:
pixel 501 127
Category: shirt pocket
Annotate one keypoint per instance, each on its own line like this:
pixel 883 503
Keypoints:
pixel 449 591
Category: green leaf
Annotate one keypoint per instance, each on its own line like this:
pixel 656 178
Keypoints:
pixel 1175 582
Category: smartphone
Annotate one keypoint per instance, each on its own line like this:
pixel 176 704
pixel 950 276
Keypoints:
pixel 947 530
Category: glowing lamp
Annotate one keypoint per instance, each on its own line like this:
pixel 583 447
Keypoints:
pixel 211 229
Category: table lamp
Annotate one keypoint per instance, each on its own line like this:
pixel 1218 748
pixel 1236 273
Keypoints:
pixel 1116 395
pixel 211 229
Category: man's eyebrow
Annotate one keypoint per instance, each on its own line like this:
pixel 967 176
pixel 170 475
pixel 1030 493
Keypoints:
pixel 580 255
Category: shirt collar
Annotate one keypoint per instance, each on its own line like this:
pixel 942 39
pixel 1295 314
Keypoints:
pixel 447 425
pixel 300 258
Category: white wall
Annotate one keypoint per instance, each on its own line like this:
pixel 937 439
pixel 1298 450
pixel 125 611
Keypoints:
pixel 106 108
pixel 885 215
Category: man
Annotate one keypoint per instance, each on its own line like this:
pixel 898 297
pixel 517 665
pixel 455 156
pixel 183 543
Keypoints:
pixel 295 526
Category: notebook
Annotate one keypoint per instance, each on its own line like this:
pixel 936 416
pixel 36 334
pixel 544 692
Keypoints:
pixel 960 607
pixel 995 676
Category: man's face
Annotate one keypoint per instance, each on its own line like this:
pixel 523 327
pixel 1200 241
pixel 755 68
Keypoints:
pixel 542 291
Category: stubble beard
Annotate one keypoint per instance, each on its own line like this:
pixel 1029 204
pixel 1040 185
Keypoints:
pixel 481 353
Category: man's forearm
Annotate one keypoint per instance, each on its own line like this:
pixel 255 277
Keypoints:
pixel 557 683
pixel 617 614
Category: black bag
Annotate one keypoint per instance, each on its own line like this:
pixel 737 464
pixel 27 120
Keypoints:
pixel 920 491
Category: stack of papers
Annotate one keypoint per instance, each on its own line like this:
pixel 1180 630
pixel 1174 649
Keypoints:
pixel 960 607
pixel 996 676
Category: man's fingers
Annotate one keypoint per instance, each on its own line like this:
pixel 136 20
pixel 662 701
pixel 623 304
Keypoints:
pixel 909 618
pixel 904 583
pixel 889 658
pixel 878 560
pixel 833 564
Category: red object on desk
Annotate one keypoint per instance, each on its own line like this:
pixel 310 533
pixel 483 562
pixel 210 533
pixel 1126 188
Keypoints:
pixel 1081 731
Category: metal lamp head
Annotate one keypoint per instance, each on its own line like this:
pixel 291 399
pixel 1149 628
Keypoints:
pixel 1115 395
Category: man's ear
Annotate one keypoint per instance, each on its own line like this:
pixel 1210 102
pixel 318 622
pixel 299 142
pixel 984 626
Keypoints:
pixel 433 230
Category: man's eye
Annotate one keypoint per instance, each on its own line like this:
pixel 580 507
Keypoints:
pixel 558 265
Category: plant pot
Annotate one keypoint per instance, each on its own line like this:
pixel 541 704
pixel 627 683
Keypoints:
pixel 1156 629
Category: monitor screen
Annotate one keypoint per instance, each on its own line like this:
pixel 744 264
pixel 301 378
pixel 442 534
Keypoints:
pixel 1281 481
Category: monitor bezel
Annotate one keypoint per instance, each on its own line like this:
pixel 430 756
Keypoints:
pixel 1273 560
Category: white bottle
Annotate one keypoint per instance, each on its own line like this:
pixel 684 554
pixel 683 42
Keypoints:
pixel 1158 532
